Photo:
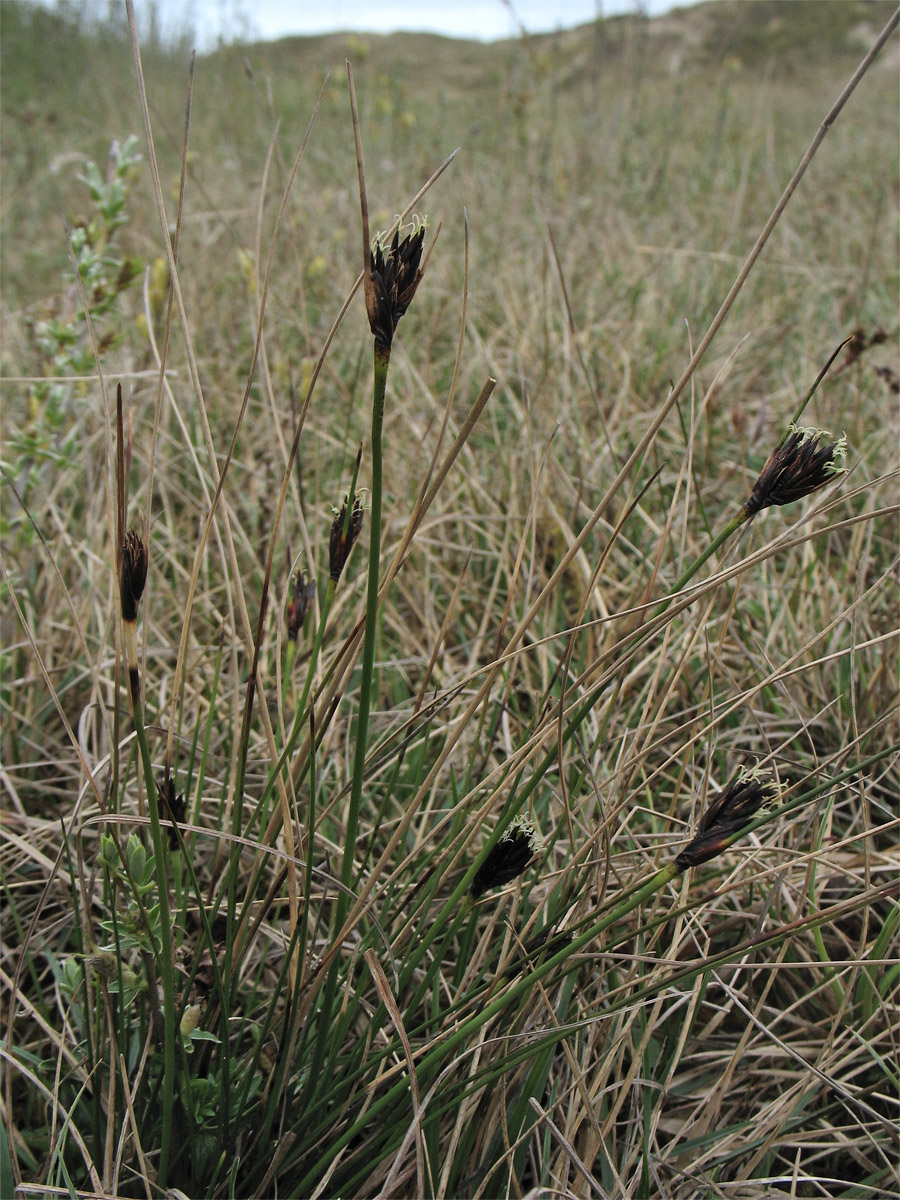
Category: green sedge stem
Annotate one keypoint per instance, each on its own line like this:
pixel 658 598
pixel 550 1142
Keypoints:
pixel 260 809
pixel 382 361
pixel 431 1063
pixel 165 918
pixel 301 715
pixel 579 716
pixel 739 519
pixel 795 420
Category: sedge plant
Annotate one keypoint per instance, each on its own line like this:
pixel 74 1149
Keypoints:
pixel 598 827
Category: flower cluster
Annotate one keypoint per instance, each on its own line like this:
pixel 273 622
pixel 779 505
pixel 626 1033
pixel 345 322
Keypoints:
pixel 804 462
pixel 172 808
pixel 344 532
pixel 729 813
pixel 391 282
pixel 508 858
pixel 303 593
pixel 133 561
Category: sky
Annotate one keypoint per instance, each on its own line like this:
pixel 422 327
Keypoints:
pixel 481 19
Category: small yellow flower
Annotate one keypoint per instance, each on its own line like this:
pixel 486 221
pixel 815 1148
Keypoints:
pixel 316 267
pixel 248 269
pixel 158 287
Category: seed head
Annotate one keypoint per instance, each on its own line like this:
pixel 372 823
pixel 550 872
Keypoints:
pixel 392 281
pixel 804 462
pixel 105 965
pixel 341 540
pixel 133 559
pixel 752 790
pixel 890 377
pixel 173 808
pixel 508 858
pixel 302 596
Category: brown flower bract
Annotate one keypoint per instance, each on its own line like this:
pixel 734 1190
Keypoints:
pixel 340 543
pixel 727 815
pixel 303 593
pixel 133 559
pixel 802 464
pixel 392 283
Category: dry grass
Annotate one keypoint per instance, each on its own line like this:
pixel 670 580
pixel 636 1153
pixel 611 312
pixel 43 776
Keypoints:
pixel 735 1033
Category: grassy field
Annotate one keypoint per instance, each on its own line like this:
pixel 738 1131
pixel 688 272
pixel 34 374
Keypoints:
pixel 441 914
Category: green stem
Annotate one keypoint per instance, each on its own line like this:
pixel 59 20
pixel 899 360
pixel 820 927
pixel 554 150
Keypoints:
pixel 431 1062
pixel 301 716
pixel 581 713
pixel 382 361
pixel 740 518
pixel 165 917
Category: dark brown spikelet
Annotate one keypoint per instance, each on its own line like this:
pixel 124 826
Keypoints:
pixel 804 462
pixel 341 540
pixel 133 559
pixel 752 790
pixel 858 342
pixel 507 859
pixel 890 377
pixel 173 809
pixel 395 275
pixel 302 595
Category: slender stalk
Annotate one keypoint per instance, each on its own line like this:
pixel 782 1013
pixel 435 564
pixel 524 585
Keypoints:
pixel 431 1062
pixel 740 518
pixel 348 529
pixel 367 667
pixel 342 905
pixel 165 918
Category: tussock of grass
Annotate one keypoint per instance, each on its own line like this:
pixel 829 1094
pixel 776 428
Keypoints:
pixel 376 982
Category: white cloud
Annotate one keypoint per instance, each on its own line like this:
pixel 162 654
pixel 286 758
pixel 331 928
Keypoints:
pixel 483 19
